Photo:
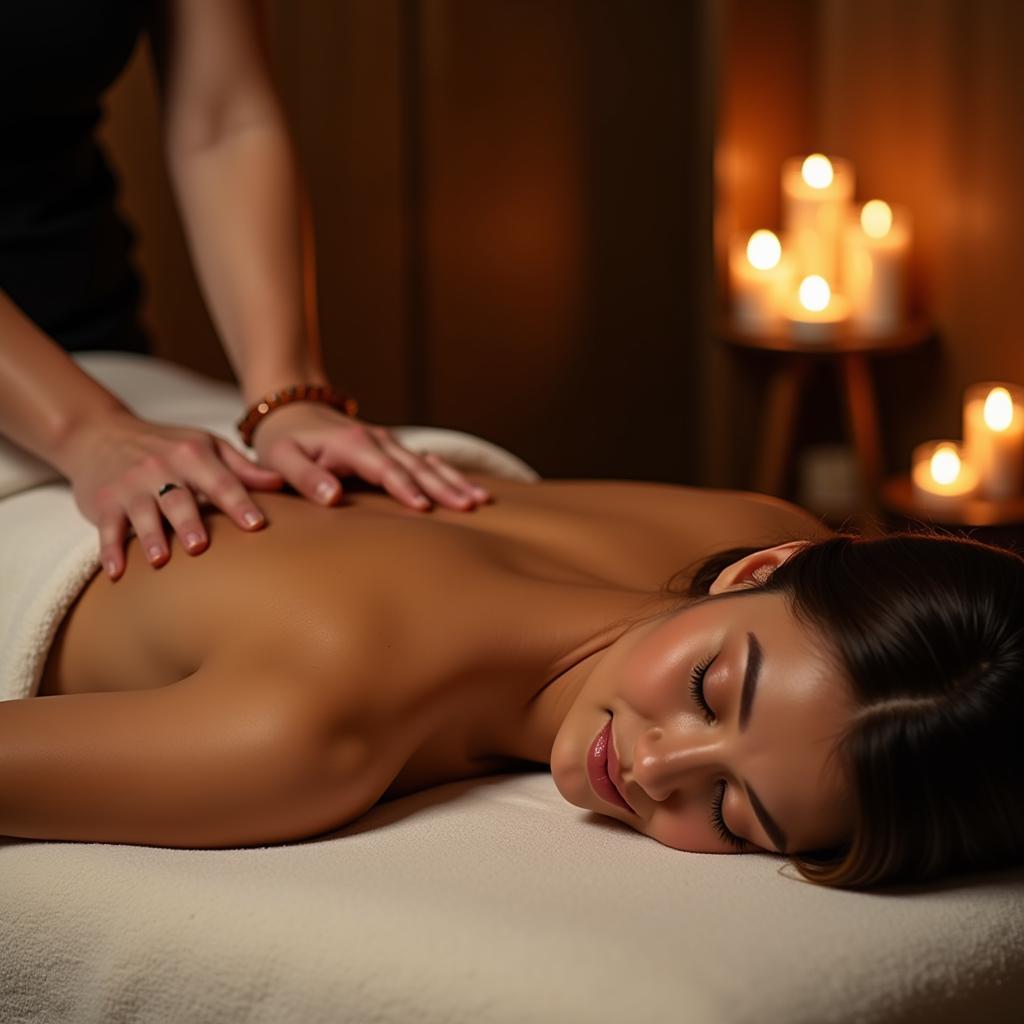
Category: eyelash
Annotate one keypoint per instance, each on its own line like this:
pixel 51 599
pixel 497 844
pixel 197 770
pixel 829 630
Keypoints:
pixel 717 821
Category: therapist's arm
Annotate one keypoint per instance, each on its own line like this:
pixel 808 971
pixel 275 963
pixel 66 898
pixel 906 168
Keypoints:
pixel 46 397
pixel 238 186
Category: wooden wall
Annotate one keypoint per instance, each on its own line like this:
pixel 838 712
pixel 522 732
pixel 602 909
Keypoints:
pixel 513 212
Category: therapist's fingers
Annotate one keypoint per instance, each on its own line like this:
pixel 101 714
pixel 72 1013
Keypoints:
pixel 442 483
pixel 112 527
pixel 454 477
pixel 314 482
pixel 250 473
pixel 144 515
pixel 182 512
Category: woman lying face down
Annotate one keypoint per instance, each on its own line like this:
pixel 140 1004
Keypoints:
pixel 855 703
pixel 723 719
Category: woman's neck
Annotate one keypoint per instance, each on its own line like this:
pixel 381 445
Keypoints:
pixel 577 628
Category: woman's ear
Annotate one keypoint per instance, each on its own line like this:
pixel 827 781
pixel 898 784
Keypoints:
pixel 754 569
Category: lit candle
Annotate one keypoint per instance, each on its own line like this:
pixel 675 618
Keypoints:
pixel 815 312
pixel 876 245
pixel 940 476
pixel 816 193
pixel 760 275
pixel 994 437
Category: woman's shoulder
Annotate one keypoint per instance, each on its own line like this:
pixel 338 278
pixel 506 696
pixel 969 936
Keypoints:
pixel 718 515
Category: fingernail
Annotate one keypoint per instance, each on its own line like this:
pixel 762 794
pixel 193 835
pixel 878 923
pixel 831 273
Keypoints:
pixel 480 494
pixel 192 539
pixel 326 491
pixel 155 553
pixel 252 518
pixel 421 501
pixel 112 568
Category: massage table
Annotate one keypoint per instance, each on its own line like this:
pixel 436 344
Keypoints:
pixel 487 901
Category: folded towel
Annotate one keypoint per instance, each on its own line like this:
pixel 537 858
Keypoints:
pixel 49 550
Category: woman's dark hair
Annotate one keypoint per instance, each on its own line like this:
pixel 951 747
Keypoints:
pixel 929 630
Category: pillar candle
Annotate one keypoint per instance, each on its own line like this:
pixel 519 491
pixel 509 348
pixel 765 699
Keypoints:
pixel 994 437
pixel 759 272
pixel 876 244
pixel 940 477
pixel 816 193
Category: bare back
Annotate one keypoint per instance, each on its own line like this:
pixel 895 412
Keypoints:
pixel 372 596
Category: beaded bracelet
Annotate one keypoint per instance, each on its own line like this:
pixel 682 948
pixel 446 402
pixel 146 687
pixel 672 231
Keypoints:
pixel 297 393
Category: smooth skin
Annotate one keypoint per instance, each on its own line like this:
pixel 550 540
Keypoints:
pixel 673 760
pixel 246 215
pixel 387 652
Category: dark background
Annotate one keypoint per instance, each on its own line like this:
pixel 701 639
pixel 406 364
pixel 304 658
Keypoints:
pixel 522 209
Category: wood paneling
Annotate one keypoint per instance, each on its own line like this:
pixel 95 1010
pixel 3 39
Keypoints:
pixel 567 180
pixel 512 202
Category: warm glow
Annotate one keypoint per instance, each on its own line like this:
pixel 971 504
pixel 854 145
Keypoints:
pixel 815 293
pixel 876 218
pixel 998 411
pixel 945 464
pixel 817 171
pixel 764 250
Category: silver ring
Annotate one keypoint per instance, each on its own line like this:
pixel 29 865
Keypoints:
pixel 166 487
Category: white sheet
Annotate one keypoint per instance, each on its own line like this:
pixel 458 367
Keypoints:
pixel 488 902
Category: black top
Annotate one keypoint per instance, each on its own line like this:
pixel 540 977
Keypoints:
pixel 65 253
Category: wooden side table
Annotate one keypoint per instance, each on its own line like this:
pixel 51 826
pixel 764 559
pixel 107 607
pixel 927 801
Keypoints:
pixel 850 353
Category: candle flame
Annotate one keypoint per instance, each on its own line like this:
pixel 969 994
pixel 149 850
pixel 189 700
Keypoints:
pixel 876 218
pixel 945 464
pixel 815 294
pixel 998 411
pixel 817 170
pixel 764 250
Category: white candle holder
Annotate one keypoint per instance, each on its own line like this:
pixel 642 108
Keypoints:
pixel 814 312
pixel 813 215
pixel 876 247
pixel 758 293
pixel 993 427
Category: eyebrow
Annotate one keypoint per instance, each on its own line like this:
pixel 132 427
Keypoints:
pixel 755 655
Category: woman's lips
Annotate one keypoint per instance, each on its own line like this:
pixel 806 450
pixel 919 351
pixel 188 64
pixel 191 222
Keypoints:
pixel 598 771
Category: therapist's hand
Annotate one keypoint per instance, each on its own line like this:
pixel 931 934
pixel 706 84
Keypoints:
pixel 311 444
pixel 117 466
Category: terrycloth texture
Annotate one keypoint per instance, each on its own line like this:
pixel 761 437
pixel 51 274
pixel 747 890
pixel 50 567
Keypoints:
pixel 49 550
pixel 490 901
pixel 481 902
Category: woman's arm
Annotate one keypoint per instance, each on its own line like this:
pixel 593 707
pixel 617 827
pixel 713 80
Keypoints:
pixel 47 397
pixel 232 755
pixel 237 183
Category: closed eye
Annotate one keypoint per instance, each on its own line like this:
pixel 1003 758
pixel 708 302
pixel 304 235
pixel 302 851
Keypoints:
pixel 697 690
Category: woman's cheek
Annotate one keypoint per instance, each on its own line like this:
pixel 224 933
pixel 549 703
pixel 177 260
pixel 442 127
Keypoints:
pixel 651 682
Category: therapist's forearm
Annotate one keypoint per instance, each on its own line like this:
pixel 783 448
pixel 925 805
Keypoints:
pixel 241 199
pixel 46 398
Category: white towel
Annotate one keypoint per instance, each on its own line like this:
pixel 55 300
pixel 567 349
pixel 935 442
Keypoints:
pixel 49 550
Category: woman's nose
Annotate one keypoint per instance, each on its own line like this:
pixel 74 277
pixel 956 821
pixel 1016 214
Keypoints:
pixel 666 760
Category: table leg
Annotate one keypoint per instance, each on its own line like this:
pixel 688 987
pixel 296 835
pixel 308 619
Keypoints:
pixel 863 421
pixel 780 418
